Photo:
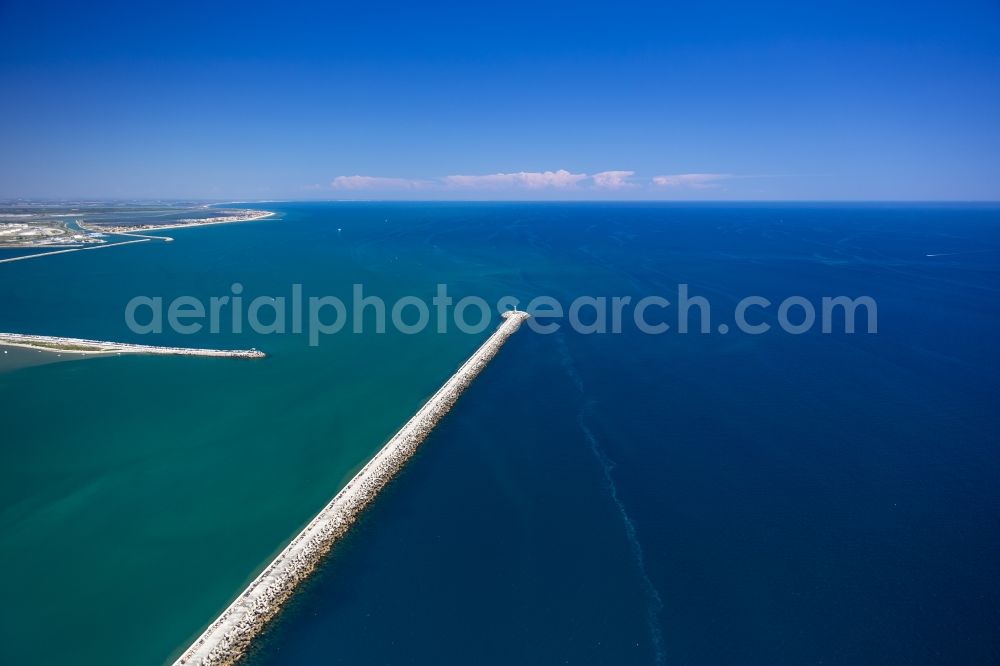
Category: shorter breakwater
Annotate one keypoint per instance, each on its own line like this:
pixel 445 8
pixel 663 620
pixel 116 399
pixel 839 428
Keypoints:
pixel 229 636
pixel 80 346
pixel 36 255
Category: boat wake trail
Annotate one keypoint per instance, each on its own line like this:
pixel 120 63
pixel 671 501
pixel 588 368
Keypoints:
pixel 654 604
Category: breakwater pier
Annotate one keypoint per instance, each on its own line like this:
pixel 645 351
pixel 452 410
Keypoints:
pixel 23 257
pixel 60 345
pixel 229 636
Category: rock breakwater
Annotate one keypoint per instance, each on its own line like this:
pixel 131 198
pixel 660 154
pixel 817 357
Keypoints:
pixel 60 345
pixel 229 636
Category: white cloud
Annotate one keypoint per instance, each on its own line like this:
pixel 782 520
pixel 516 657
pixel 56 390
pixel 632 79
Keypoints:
pixel 613 180
pixel 376 183
pixel 696 181
pixel 528 179
pixel 518 180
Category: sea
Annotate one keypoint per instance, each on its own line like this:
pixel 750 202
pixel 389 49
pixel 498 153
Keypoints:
pixel 602 494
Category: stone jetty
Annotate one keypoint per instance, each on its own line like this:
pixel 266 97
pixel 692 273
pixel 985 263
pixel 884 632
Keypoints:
pixel 59 345
pixel 229 636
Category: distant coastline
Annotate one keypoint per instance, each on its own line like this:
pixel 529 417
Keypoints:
pixel 89 236
pixel 241 216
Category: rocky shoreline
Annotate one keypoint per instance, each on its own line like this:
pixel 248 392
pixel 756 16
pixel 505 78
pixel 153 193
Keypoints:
pixel 229 636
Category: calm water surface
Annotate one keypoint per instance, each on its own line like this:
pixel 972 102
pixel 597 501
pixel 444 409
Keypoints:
pixel 688 499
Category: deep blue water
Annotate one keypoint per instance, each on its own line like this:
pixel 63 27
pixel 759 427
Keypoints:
pixel 592 499
pixel 694 499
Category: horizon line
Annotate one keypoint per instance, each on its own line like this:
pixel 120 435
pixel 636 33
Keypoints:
pixel 220 201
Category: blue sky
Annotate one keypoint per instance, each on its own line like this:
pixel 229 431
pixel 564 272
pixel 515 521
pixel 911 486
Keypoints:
pixel 693 100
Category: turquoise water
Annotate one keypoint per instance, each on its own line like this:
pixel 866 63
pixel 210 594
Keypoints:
pixel 662 499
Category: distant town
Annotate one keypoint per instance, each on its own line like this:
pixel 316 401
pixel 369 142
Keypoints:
pixel 44 233
pixel 28 226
